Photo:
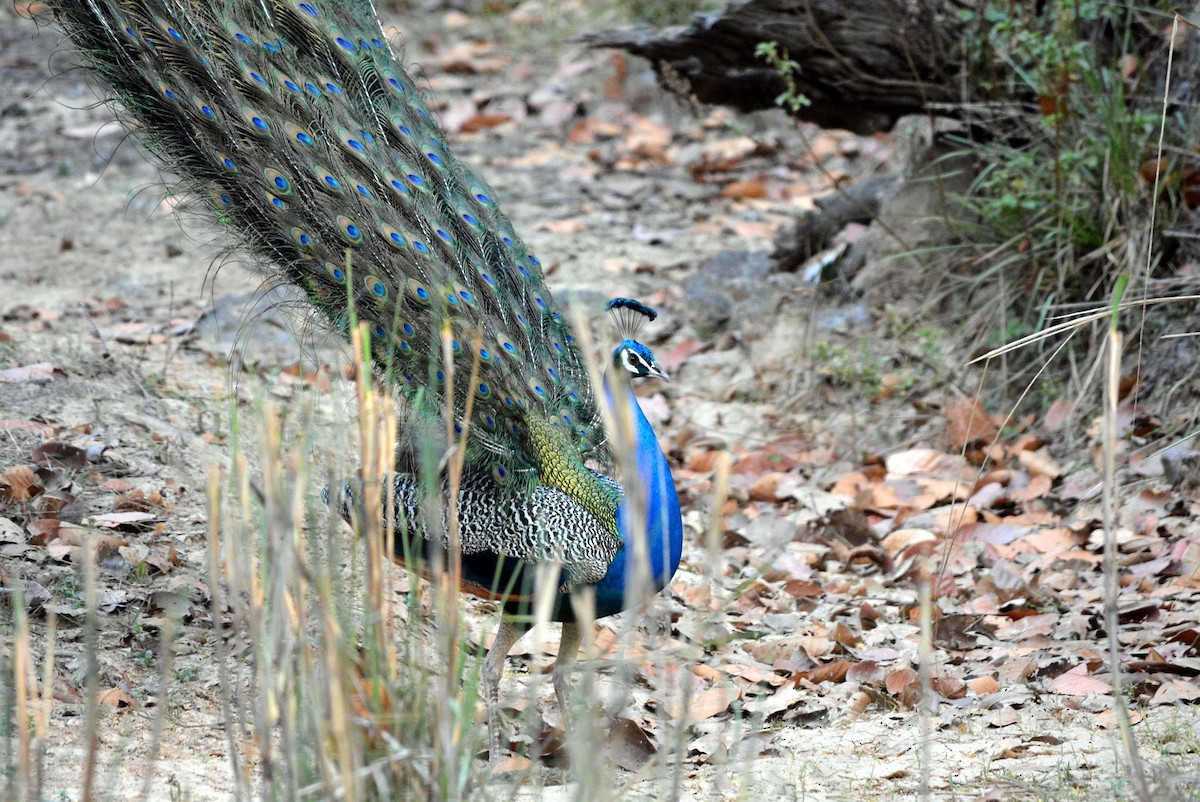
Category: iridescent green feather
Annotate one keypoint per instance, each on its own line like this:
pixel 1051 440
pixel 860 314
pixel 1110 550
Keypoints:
pixel 298 122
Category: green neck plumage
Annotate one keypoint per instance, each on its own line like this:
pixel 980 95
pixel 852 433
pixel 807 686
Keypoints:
pixel 560 466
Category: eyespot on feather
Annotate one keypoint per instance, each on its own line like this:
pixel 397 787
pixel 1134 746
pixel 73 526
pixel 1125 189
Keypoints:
pixel 328 181
pixel 257 121
pixel 277 182
pixel 349 230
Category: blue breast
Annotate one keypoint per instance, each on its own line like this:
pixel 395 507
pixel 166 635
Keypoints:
pixel 663 524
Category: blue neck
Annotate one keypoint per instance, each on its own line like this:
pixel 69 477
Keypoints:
pixel 660 521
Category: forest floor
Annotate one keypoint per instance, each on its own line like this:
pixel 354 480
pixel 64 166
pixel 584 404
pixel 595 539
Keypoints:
pixel 856 442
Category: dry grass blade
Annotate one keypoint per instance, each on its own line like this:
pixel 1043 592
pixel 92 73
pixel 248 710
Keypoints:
pixel 1158 171
pixel 1078 320
pixel 166 665
pixel 217 608
pixel 720 493
pixel 24 779
pixel 1112 587
pixel 929 700
pixel 91 728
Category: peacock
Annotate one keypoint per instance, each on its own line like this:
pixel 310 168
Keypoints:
pixel 297 124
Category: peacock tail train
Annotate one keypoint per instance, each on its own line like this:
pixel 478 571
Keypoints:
pixel 311 144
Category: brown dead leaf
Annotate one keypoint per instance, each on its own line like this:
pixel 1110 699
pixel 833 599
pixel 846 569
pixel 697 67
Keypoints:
pixel 902 539
pixel 1039 463
pixel 725 154
pixel 917 461
pixel 846 637
pixel 1174 691
pixel 629 745
pixel 885 497
pixel 864 672
pixel 19 484
pixel 484 120
pixel 1107 719
pixel 858 705
pixel 830 672
pixel 764 486
pixel 1076 682
pixel 115 697
pixel 1038 487
pixel 802 588
pixel 649 139
pixel 949 687
pixel 675 358
pixel 748 188
pixel 1014 752
pixel 816 646
pixel 585 132
pixel 1053 541
pixel 967 423
pixel 1057 414
pixel 711 702
pixel 850 485
pixel 43 530
pixel 899 680
pixel 871 552
pixel 33 427
pixel 136 500
pixel 76 535
pixel 138 553
pixel 511 763
pixel 762 461
pixel 981 686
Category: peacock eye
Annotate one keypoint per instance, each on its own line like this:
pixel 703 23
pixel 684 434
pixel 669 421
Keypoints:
pixel 635 363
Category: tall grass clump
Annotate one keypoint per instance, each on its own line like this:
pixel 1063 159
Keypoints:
pixel 1070 188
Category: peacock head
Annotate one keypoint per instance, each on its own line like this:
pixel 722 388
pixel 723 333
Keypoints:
pixel 631 316
pixel 638 360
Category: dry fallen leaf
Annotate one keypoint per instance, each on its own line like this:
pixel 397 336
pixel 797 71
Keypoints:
pixel 19 484
pixel 902 539
pixel 749 188
pixel 981 686
pixel 1039 463
pixel 1077 683
pixel 967 423
pixel 1109 720
pixel 115 697
pixel 711 702
pixel 898 680
pixel 40 373
pixel 1003 717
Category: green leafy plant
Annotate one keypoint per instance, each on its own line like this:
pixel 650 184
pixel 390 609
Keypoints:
pixel 791 98
pixel 1063 197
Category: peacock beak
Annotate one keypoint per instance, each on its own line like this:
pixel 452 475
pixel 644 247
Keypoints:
pixel 657 371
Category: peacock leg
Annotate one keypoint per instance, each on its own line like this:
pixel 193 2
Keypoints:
pixel 493 670
pixel 568 650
